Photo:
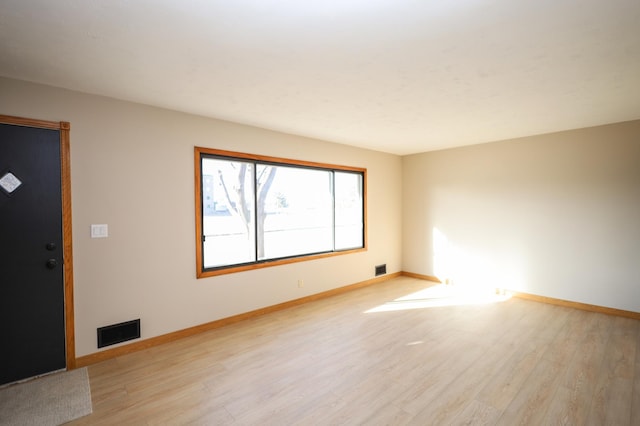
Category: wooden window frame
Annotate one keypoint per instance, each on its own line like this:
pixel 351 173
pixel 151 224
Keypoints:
pixel 201 272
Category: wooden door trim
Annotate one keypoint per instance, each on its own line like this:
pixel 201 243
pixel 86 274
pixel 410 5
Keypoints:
pixel 65 169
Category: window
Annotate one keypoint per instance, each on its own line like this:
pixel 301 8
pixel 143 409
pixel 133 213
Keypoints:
pixel 254 211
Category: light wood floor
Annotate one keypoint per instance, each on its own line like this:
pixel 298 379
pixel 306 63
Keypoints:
pixel 331 363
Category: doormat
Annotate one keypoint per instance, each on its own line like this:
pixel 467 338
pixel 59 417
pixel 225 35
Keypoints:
pixel 50 400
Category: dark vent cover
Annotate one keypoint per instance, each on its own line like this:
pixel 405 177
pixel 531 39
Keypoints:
pixel 117 333
pixel 381 269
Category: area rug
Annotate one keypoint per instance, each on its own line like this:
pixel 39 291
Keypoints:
pixel 50 400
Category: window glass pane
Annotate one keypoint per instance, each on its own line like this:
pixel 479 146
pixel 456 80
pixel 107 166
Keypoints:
pixel 295 208
pixel 228 217
pixel 349 220
pixel 251 211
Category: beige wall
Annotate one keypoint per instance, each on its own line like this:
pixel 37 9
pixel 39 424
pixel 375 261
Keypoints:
pixel 555 215
pixel 132 168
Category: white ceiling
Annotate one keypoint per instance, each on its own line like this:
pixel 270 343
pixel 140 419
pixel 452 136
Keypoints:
pixel 400 76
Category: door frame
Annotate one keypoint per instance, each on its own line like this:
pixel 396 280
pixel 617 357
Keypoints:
pixel 65 166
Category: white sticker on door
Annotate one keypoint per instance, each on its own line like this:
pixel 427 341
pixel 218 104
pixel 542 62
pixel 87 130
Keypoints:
pixel 9 182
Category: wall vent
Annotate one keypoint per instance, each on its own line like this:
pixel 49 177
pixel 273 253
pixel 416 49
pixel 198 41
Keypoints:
pixel 381 269
pixel 118 333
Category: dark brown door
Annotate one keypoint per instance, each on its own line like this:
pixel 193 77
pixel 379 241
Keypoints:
pixel 32 317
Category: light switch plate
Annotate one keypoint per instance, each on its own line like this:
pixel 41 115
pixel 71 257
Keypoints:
pixel 99 231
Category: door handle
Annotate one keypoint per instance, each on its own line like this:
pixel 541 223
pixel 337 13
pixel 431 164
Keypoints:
pixel 52 263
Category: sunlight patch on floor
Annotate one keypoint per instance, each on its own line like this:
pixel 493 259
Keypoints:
pixel 441 295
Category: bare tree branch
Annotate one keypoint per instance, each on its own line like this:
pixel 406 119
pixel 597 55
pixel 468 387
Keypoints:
pixel 262 198
pixel 240 206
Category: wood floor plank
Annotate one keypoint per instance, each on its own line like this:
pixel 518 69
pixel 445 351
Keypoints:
pixel 371 393
pixel 475 414
pixel 503 386
pixel 565 344
pixel 453 399
pixel 613 391
pixel 531 403
pixel 571 403
pixel 635 398
pixel 581 374
pixel 428 387
pixel 568 407
pixel 396 353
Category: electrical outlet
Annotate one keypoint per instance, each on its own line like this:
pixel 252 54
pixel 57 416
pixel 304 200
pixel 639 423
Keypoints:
pixel 300 283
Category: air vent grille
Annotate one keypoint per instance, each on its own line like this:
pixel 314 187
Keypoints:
pixel 381 269
pixel 118 333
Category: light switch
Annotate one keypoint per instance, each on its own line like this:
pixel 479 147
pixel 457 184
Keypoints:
pixel 99 231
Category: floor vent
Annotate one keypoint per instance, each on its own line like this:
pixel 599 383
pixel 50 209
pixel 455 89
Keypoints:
pixel 381 269
pixel 118 333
